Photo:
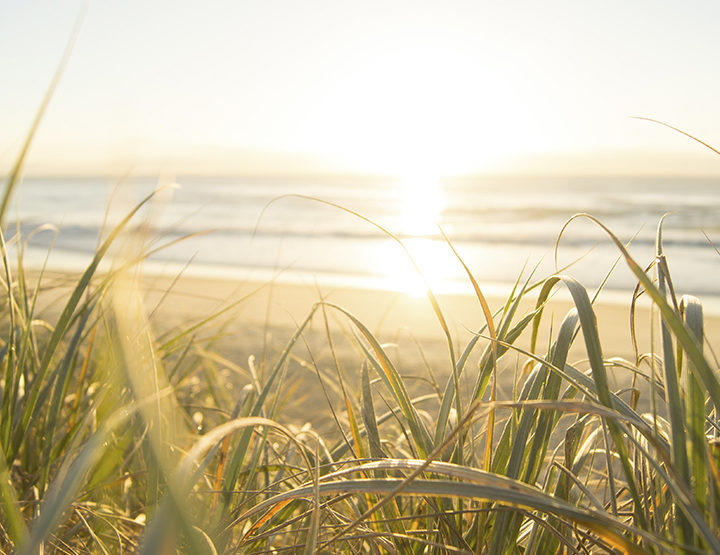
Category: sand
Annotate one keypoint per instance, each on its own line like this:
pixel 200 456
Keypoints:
pixel 258 319
pixel 386 313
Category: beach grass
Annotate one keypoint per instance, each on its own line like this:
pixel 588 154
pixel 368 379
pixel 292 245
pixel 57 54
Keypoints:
pixel 124 430
pixel 121 432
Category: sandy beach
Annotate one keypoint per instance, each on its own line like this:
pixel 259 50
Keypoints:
pixel 258 319
pixel 280 305
pixel 268 314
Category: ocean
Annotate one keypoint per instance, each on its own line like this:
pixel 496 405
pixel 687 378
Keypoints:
pixel 504 228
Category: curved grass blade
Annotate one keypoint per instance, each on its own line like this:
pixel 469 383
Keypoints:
pixel 189 470
pixel 716 151
pixel 417 428
pixel 683 335
pixel 440 432
pixel 673 394
pixel 527 454
pixel 519 496
pixel 588 323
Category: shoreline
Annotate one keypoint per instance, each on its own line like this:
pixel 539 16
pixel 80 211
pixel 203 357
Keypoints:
pixel 75 262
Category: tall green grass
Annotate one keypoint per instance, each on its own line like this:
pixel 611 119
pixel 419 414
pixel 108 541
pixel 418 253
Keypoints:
pixel 101 450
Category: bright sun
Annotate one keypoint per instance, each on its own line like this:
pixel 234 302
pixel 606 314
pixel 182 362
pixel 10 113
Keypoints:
pixel 420 209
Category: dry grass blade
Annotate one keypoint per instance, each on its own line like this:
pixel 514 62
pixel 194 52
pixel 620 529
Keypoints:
pixel 694 138
pixel 487 313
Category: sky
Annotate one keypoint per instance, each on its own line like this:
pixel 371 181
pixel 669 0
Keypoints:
pixel 390 86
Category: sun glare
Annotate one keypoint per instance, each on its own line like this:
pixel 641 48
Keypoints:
pixel 431 258
pixel 421 204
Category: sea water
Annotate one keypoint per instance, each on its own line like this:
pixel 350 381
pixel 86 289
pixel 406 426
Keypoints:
pixel 504 228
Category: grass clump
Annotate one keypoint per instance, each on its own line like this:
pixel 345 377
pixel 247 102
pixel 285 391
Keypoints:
pixel 102 449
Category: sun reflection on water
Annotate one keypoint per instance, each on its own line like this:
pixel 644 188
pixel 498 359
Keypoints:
pixel 421 206
pixel 432 258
